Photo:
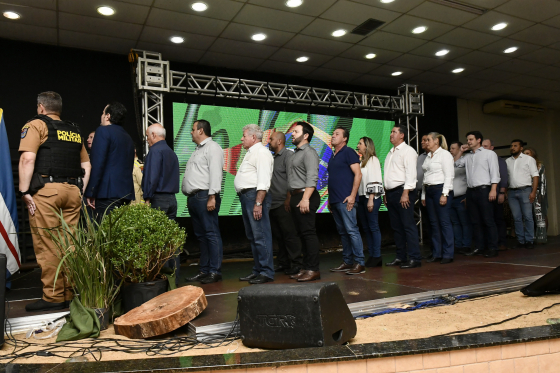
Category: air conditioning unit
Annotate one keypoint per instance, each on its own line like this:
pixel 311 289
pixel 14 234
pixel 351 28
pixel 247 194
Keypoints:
pixel 513 109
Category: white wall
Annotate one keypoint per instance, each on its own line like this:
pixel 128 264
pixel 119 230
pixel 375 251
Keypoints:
pixel 541 132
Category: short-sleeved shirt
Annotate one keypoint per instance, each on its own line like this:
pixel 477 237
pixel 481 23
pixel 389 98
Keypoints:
pixel 35 133
pixel 341 176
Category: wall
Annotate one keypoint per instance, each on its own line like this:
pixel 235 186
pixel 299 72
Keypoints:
pixel 540 132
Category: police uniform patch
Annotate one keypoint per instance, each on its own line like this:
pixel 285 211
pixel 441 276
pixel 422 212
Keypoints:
pixel 24 131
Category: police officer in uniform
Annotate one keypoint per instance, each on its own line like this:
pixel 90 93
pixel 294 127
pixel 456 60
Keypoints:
pixel 53 170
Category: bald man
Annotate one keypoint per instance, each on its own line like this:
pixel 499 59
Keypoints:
pixel 283 228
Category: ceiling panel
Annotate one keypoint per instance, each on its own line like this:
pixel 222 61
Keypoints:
pixel 548 72
pixel 241 32
pixel 494 75
pixel 485 22
pixel 309 7
pixel 417 62
pixel 99 26
pixel 536 11
pixel 241 48
pixel 554 22
pixel 285 68
pixel 405 24
pixel 23 4
pixel 124 12
pixel 482 59
pixel 504 43
pixel 546 56
pixel 444 90
pixel 533 81
pixel 387 70
pixel 430 48
pixel 323 29
pixel 538 34
pixel 430 77
pixel 355 13
pixel 390 83
pixel 442 13
pixel 333 75
pixel 485 4
pixel 172 52
pixel 162 36
pixel 465 38
pixel 481 96
pixel 229 61
pixel 503 88
pixel 290 55
pixel 358 52
pixel 95 42
pixel 317 45
pixel 218 9
pixel 537 95
pixel 30 16
pixel 346 64
pixel 394 42
pixel 18 31
pixel 555 45
pixel 395 6
pixel 272 18
pixel 519 66
pixel 447 67
pixel 471 83
pixel 185 22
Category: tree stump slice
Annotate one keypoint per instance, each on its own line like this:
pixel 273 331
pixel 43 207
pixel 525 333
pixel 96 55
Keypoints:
pixel 162 314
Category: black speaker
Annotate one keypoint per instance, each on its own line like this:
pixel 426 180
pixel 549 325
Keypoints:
pixel 294 315
pixel 3 264
pixel 549 283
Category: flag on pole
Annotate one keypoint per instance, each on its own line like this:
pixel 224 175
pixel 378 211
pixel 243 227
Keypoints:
pixel 8 208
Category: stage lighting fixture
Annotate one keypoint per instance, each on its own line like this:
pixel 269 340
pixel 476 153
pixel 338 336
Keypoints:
pixel 442 52
pixel 11 15
pixel 457 71
pixel 397 73
pixel 177 39
pixel 106 10
pixel 199 6
pixel 369 56
pixel 258 37
pixel 294 3
pixel 338 33
pixel 302 59
pixel 419 30
pixel 499 26
pixel 510 50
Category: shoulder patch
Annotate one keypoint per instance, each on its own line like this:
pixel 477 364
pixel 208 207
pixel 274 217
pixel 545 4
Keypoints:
pixel 24 131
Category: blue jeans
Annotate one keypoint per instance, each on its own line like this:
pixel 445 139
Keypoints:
pixel 462 229
pixel 167 203
pixel 258 232
pixel 522 211
pixel 403 224
pixel 207 231
pixel 440 222
pixel 347 227
pixel 370 224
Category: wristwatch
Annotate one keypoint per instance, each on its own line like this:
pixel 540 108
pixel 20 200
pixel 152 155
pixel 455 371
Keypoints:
pixel 258 204
pixel 502 192
pixel 21 194
pixel 445 195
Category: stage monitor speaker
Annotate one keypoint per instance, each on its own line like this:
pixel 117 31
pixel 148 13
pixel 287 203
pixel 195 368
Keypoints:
pixel 549 283
pixel 284 316
pixel 3 264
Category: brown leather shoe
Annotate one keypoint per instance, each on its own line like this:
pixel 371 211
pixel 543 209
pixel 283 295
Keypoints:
pixel 310 276
pixel 342 268
pixel 299 274
pixel 356 270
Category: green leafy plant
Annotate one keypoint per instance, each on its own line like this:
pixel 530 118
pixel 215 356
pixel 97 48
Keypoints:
pixel 82 250
pixel 142 240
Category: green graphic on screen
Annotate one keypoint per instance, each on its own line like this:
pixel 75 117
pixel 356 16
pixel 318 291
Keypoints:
pixel 227 128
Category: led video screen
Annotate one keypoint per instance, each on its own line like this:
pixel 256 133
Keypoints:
pixel 227 128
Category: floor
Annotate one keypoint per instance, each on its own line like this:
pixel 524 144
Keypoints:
pixel 376 283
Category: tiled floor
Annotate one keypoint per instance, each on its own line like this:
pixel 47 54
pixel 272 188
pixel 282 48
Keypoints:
pixel 376 283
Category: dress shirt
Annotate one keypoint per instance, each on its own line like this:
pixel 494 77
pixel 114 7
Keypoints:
pixel 482 167
pixel 279 182
pixel 521 171
pixel 255 170
pixel 420 171
pixel 303 168
pixel 400 167
pixel 371 173
pixel 503 174
pixel 459 182
pixel 204 170
pixel 438 169
pixel 161 170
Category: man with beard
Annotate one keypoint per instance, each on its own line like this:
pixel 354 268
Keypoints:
pixel 523 183
pixel 303 174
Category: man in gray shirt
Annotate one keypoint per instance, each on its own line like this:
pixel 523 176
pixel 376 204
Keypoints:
pixel 202 184
pixel 282 224
pixel 483 176
pixel 303 174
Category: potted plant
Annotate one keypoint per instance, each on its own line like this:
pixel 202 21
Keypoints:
pixel 141 241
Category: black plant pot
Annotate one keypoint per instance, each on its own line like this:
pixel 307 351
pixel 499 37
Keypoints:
pixel 136 294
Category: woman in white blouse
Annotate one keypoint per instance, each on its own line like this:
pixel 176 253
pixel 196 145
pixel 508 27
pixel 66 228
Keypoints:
pixel 437 196
pixel 368 204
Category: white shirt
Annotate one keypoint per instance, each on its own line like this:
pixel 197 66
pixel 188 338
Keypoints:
pixel 371 173
pixel 521 171
pixel 204 168
pixel 400 167
pixel 438 168
pixel 255 170
pixel 482 167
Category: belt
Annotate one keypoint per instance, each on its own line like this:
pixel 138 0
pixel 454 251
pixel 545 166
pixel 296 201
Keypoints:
pixel 55 179
pixel 297 191
pixel 432 186
pixel 243 191
pixel 520 188
pixel 399 187
pixel 194 192
pixel 480 187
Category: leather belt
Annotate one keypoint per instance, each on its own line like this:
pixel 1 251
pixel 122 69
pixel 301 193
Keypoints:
pixel 433 185
pixel 297 191
pixel 194 192
pixel 520 188
pixel 243 191
pixel 54 179
pixel 395 188
pixel 480 187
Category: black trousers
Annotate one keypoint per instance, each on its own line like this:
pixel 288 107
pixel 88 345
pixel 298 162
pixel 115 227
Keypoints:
pixel 481 212
pixel 104 206
pixel 500 224
pixel 285 234
pixel 305 227
pixel 403 224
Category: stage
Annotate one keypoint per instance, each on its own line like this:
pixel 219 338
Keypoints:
pixel 376 289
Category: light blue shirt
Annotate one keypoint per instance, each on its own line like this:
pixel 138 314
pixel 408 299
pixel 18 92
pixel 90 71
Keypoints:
pixel 482 167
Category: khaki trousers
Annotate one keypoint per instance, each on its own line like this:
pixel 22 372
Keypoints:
pixel 51 199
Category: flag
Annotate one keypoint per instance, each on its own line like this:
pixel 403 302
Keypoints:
pixel 8 208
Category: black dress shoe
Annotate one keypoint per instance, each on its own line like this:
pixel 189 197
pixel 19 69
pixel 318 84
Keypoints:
pixel 43 305
pixel 197 277
pixel 529 245
pixel 396 262
pixel 374 261
pixel 491 254
pixel 446 261
pixel 212 277
pixel 519 245
pixel 411 264
pixel 292 271
pixel 432 259
pixel 475 252
pixel 280 268
pixel 248 278
pixel 260 279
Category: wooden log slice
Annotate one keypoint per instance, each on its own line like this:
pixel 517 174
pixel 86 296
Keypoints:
pixel 162 314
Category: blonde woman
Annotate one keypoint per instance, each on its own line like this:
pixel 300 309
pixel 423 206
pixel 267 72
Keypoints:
pixel 437 196
pixel 368 204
